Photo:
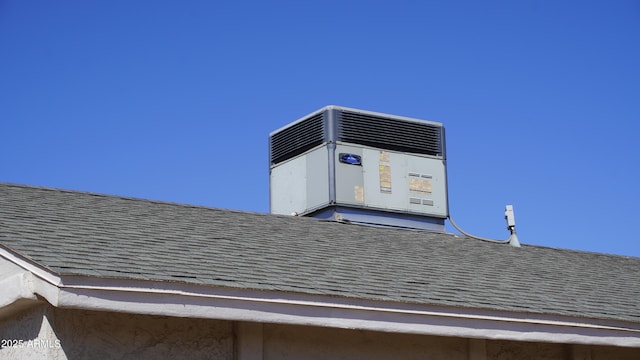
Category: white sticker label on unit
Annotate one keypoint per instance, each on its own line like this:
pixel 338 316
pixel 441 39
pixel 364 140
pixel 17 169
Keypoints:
pixel 420 185
pixel 385 173
pixel 358 193
pixel 385 178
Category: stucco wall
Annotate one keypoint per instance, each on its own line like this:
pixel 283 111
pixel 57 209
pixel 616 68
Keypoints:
pixel 29 335
pixel 77 334
pixel 609 352
pixel 298 342
pixel 105 335
pixel 506 350
pixel 99 335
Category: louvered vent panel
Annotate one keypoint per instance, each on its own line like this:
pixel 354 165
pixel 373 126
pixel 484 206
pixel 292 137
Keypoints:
pixel 390 134
pixel 297 139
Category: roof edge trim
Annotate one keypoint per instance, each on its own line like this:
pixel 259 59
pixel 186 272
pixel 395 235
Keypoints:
pixel 33 267
pixel 287 308
pixel 16 286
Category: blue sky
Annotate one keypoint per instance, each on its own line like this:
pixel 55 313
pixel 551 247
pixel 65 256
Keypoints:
pixel 174 100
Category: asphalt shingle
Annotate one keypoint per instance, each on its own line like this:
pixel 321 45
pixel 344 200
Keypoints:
pixel 74 233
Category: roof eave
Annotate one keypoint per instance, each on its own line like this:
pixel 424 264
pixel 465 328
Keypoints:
pixel 200 301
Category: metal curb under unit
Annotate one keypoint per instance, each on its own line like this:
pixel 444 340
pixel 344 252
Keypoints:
pixel 360 166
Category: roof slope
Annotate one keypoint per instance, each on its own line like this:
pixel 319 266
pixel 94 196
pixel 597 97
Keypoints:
pixel 74 233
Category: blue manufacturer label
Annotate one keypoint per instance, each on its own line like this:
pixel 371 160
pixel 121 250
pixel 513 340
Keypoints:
pixel 350 159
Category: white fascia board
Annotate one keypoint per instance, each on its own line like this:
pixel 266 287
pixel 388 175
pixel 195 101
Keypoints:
pixel 23 280
pixel 223 303
pixel 16 284
pixel 184 300
pixel 18 288
pixel 32 267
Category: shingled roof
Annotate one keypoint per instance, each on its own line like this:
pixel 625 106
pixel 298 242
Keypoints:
pixel 74 233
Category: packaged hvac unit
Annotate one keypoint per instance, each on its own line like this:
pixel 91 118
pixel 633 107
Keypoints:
pixel 360 166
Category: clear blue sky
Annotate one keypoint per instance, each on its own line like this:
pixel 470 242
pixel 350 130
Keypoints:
pixel 174 100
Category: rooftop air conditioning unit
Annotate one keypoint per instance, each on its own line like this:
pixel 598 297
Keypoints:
pixel 360 166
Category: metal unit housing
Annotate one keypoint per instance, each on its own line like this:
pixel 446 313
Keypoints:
pixel 360 166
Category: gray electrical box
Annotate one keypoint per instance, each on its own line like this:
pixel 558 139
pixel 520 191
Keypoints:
pixel 360 166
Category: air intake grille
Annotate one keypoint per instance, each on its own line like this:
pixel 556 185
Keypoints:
pixel 297 139
pixel 390 134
